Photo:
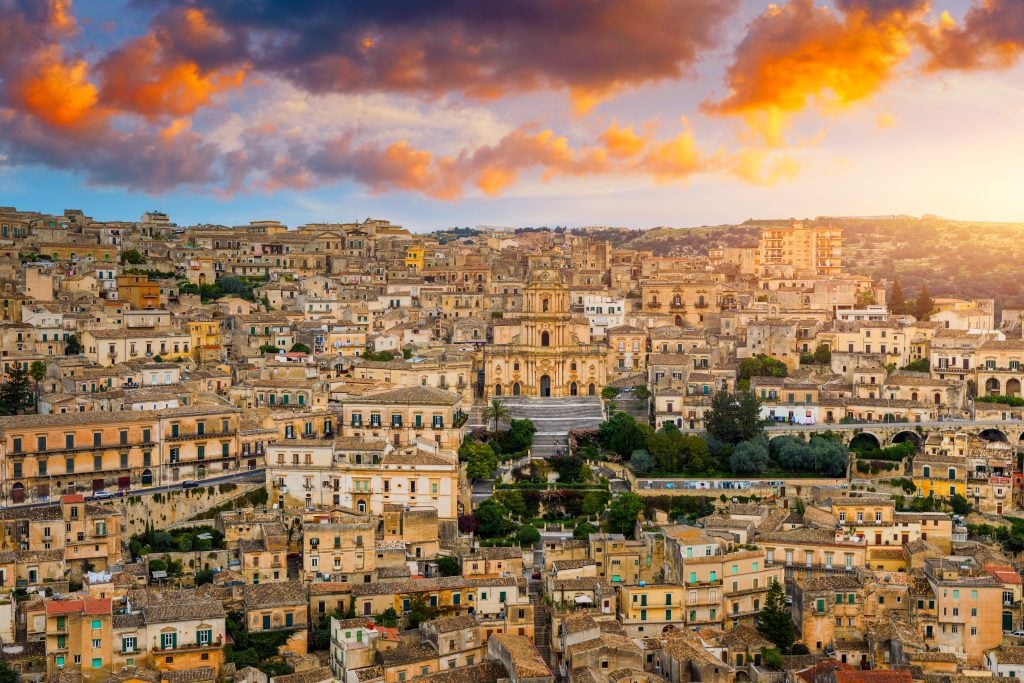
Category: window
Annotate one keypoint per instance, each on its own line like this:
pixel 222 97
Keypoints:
pixel 97 643
pixel 97 662
pixel 204 636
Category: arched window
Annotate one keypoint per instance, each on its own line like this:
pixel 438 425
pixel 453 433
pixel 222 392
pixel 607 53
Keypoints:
pixel 544 305
pixel 515 366
pixel 361 506
pixel 545 338
pixel 497 390
pixel 572 366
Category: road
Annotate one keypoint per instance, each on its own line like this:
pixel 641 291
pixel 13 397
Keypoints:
pixel 256 475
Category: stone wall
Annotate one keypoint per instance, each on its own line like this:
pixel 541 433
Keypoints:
pixel 164 508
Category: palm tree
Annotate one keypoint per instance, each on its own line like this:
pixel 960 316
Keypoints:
pixel 498 412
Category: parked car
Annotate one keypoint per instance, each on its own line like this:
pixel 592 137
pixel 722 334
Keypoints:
pixel 102 495
pixel 1019 633
pixel 189 484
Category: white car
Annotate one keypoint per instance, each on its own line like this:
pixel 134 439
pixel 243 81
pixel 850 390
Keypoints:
pixel 102 495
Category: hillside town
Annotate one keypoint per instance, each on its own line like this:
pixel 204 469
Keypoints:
pixel 358 453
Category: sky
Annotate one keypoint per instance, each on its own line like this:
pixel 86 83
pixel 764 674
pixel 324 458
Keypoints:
pixel 634 113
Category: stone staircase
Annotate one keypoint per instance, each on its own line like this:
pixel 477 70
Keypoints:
pixel 553 417
pixel 541 622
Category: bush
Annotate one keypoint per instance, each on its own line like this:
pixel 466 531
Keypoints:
pixel 863 466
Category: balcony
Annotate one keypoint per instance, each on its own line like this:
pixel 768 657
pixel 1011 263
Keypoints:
pixel 190 647
pixel 190 436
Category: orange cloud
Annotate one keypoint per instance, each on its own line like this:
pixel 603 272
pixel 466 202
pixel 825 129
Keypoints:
pixel 57 91
pixel 622 143
pixel 799 54
pixel 991 36
pixel 760 167
pixel 140 77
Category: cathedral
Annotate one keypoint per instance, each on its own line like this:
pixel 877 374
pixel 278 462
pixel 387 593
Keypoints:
pixel 545 350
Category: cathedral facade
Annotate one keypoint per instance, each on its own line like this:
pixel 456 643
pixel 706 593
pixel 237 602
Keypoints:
pixel 546 350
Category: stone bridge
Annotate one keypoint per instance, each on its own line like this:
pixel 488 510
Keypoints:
pixel 889 433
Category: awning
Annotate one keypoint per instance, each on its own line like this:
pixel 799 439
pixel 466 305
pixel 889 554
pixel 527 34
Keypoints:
pixel 581 599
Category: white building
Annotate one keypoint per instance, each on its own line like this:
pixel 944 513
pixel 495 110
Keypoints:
pixel 603 312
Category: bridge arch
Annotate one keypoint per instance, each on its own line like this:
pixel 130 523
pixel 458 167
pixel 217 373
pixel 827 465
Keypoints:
pixel 908 435
pixel 865 440
pixel 993 434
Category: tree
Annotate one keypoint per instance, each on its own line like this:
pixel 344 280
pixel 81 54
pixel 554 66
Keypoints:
pixel 897 299
pixel 420 610
pixel 608 393
pixel 492 519
pixel 527 535
pixel 623 513
pixel 749 457
pixel 38 373
pixel 583 530
pixel 774 622
pixel 734 418
pixel 761 366
pixel 518 436
pixel 481 461
pixel 448 566
pixel 72 347
pixel 133 257
pixel 513 501
pixel 15 392
pixel 378 355
pixel 299 347
pixel 960 505
pixel 666 449
pixel 924 304
pixel 640 461
pixel 268 348
pixel 641 392
pixel 621 434
pixel 594 502
pixel 822 354
pixel 828 457
pixel 498 412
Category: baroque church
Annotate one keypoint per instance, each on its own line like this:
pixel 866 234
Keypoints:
pixel 546 350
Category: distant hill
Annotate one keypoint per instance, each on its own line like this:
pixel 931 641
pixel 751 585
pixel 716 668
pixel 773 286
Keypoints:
pixel 955 258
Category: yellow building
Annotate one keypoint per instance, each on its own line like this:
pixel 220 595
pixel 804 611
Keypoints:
pixel 108 347
pixel 414 257
pixel 206 340
pixel 78 638
pixel 827 609
pixel 968 608
pixel 43 455
pixel 405 415
pixel 940 476
pixel 646 610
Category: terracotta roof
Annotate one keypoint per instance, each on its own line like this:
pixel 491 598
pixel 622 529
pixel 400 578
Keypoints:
pixel 274 594
pixel 525 658
pixel 90 606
